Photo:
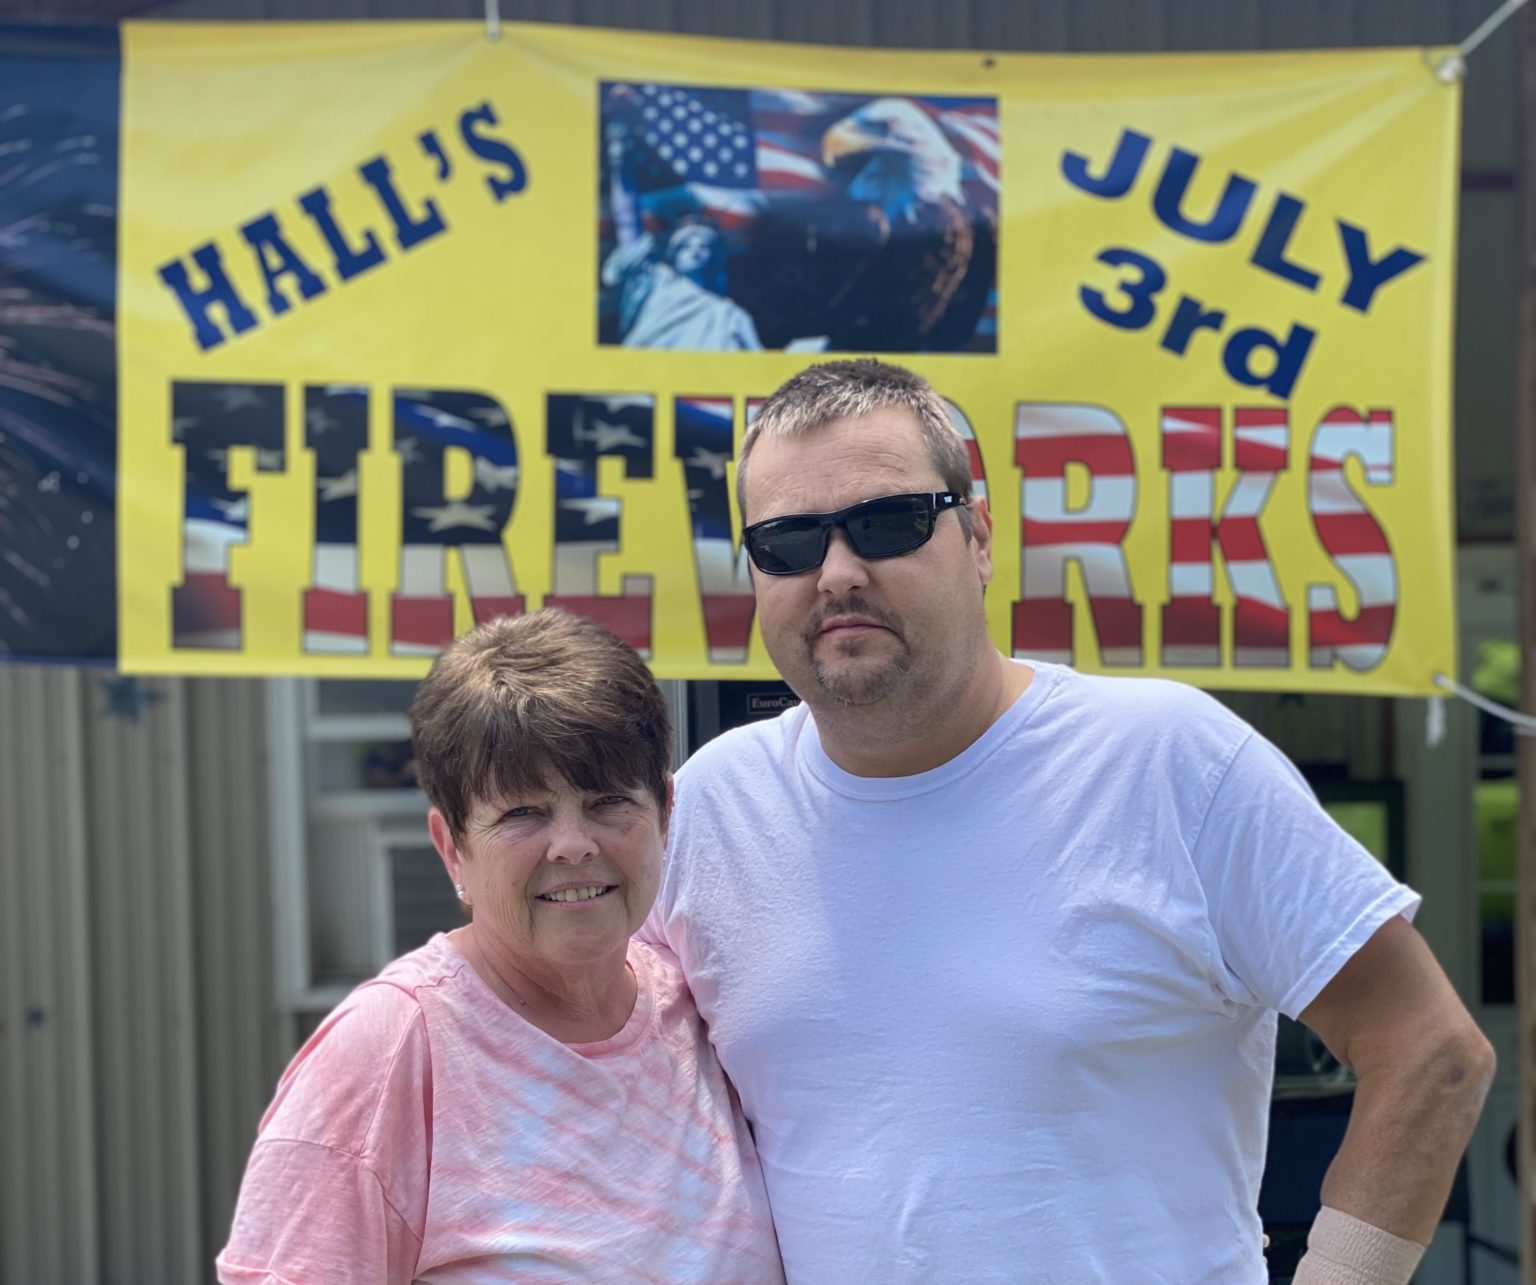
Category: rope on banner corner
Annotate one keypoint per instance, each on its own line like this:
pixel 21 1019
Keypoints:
pixel 1453 66
pixel 493 19
pixel 1434 723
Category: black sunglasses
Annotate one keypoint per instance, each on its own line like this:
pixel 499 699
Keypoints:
pixel 885 527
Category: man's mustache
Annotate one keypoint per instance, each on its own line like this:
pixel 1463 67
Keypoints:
pixel 853 606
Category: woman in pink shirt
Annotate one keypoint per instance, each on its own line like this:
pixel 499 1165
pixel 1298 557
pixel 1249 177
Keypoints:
pixel 531 1097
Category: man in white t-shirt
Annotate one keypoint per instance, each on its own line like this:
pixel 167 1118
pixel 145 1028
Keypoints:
pixel 992 951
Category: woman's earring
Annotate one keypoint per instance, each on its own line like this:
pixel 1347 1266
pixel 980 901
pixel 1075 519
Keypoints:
pixel 459 888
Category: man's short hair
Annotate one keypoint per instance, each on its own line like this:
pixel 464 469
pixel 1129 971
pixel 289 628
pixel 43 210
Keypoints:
pixel 844 389
pixel 523 702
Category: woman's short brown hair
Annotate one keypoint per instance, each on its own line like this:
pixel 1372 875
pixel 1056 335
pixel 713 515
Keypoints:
pixel 523 702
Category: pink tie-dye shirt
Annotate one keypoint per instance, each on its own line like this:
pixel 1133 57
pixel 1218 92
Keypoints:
pixel 426 1132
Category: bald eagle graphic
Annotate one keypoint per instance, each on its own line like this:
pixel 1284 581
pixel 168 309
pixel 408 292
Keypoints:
pixel 894 257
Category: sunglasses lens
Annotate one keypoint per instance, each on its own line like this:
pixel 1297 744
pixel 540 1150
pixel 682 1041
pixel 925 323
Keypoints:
pixel 789 547
pixel 882 528
pixel 885 528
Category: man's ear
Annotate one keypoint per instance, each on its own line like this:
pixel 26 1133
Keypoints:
pixel 981 538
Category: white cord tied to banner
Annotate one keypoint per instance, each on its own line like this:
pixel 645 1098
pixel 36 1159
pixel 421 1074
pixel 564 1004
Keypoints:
pixel 1454 65
pixel 1434 723
pixel 493 19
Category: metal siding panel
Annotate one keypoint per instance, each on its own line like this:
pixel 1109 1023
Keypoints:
pixel 218 11
pixel 147 1088
pixel 633 15
pixel 814 22
pixel 1487 326
pixel 1491 120
pixel 185 1257
pixel 27 1233
pixel 1117 25
pixel 546 11
pixel 13 850
pixel 1007 25
pixel 47 1179
pixel 1209 24
pixel 900 23
pixel 707 19
pixel 68 868
pixel 243 1040
pixel 1310 24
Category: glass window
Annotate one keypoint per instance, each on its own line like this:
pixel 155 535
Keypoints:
pixel 347 697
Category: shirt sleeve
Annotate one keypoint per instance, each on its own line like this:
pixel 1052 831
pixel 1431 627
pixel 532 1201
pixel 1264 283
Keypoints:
pixel 311 1215
pixel 336 1186
pixel 1290 895
pixel 653 932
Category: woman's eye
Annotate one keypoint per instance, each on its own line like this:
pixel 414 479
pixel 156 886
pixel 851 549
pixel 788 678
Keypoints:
pixel 610 800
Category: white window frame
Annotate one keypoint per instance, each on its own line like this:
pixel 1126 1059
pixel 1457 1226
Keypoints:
pixel 295 728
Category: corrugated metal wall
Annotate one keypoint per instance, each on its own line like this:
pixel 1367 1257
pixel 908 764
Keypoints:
pixel 47 1098
pixel 139 1031
pixel 139 1035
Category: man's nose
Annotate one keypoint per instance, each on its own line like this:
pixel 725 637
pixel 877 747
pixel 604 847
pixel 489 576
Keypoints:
pixel 842 570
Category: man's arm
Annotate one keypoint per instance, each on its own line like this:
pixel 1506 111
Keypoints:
pixel 1423 1069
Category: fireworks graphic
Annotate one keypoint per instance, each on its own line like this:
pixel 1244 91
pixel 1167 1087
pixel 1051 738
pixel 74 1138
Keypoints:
pixel 58 365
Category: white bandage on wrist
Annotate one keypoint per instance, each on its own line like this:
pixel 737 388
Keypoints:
pixel 1343 1250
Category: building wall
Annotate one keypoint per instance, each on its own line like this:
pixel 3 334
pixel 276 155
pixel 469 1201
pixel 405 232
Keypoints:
pixel 139 1036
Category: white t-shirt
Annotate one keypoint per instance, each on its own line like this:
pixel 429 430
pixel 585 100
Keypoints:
pixel 427 1133
pixel 1013 1019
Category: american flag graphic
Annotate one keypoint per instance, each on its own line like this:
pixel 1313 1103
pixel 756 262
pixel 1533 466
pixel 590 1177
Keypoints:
pixel 1047 438
pixel 209 421
pixel 704 430
pixel 1353 539
pixel 426 424
pixel 1191 619
pixel 736 158
pixel 335 607
pixel 724 143
pixel 581 429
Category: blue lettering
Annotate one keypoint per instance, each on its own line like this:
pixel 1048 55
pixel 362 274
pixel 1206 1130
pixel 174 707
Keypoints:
pixel 1270 253
pixel 1289 356
pixel 196 303
pixel 1191 315
pixel 350 262
pixel 1174 186
pixel 1140 292
pixel 494 151
pixel 429 144
pixel 278 259
pixel 1366 277
pixel 1122 171
pixel 408 231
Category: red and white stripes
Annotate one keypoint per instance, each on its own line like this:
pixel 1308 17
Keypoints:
pixel 1353 539
pixel 1048 438
pixel 1191 618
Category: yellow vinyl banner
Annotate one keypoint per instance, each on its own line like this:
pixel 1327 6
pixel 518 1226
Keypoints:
pixel 419 327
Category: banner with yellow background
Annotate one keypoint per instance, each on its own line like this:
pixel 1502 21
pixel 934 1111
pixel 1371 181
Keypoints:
pixel 417 327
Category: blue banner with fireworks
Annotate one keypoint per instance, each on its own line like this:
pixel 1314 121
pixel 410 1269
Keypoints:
pixel 58 351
